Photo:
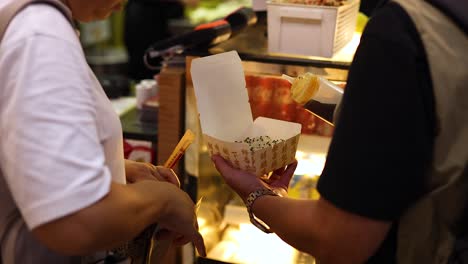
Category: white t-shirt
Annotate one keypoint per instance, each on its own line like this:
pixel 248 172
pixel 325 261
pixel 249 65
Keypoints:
pixel 60 139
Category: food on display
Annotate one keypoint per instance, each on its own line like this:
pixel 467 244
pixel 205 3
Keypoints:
pixel 314 2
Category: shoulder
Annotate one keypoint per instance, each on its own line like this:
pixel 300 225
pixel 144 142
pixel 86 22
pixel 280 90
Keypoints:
pixel 392 23
pixel 40 20
pixel 393 26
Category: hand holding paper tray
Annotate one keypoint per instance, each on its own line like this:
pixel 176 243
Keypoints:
pixel 226 117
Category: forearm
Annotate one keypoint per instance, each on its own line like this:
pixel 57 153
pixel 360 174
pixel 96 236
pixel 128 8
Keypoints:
pixel 319 228
pixel 292 220
pixel 120 216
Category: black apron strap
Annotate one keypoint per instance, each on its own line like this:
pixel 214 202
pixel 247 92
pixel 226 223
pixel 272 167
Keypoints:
pixel 8 235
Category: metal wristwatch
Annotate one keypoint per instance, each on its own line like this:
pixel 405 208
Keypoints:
pixel 250 200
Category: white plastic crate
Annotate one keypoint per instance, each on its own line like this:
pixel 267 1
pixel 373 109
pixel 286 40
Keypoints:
pixel 310 29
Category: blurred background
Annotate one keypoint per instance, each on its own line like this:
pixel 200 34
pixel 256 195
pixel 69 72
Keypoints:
pixel 114 47
pixel 156 104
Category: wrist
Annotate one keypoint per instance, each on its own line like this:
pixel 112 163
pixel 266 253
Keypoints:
pixel 259 203
pixel 155 197
pixel 253 199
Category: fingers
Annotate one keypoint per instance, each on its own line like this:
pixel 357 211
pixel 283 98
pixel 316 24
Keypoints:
pixel 279 171
pixel 180 240
pixel 276 175
pixel 286 176
pixel 164 234
pixel 199 244
pixel 242 182
pixel 168 175
pixel 154 172
pixel 223 166
pixel 137 171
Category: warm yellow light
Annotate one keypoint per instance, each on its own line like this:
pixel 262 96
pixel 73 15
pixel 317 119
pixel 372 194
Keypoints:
pixel 201 222
pixel 255 247
pixel 300 155
pixel 310 164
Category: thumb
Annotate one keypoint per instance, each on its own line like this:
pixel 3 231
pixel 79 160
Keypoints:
pixel 223 166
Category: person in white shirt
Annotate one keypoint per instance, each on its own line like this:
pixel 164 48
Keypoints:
pixel 63 178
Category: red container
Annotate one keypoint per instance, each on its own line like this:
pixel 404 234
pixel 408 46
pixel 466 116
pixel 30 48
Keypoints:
pixel 250 83
pixel 260 101
pixel 283 106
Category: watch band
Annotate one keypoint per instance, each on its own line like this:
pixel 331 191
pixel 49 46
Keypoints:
pixel 250 200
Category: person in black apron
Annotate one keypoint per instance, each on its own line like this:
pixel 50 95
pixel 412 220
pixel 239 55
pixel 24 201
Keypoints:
pixel 395 184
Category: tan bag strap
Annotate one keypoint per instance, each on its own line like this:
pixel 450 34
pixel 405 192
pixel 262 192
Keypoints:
pixel 7 13
pixel 11 9
pixel 8 241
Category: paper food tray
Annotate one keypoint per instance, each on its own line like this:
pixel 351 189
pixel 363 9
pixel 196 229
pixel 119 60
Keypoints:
pixel 226 117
